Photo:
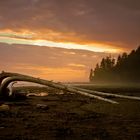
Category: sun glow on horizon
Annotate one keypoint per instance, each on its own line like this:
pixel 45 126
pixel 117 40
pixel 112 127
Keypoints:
pixel 67 45
pixel 70 45
pixel 50 38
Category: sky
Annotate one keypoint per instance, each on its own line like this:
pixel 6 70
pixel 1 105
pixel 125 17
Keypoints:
pixel 62 39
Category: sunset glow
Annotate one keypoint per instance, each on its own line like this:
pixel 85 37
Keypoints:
pixel 71 45
pixel 30 38
pixel 90 47
pixel 63 40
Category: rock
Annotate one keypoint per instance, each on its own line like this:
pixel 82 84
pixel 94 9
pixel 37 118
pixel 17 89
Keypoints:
pixel 4 107
pixel 38 94
pixel 43 94
pixel 42 106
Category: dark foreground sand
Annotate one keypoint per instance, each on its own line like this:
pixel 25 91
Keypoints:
pixel 70 117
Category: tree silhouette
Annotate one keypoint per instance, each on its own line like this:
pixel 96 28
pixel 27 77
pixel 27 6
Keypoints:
pixel 126 68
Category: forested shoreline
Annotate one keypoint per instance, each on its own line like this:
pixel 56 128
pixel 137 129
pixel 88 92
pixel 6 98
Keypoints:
pixel 124 69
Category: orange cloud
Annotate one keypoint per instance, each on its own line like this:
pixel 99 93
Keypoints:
pixel 76 65
pixel 96 47
pixel 48 37
pixel 57 74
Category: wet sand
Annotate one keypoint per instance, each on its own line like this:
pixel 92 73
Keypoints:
pixel 69 116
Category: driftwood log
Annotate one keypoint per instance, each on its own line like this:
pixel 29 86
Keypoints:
pixel 6 78
pixel 108 94
pixel 4 75
pixel 60 86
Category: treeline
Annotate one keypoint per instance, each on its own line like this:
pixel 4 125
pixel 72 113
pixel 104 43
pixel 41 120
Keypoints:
pixel 126 68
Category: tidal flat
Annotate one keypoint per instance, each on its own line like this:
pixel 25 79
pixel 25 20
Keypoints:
pixel 71 116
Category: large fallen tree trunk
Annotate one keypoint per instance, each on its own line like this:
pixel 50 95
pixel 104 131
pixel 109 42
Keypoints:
pixel 50 84
pixel 108 94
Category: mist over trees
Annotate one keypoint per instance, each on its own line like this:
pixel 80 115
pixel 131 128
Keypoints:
pixel 126 68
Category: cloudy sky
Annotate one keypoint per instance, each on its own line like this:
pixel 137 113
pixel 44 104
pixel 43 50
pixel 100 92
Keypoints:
pixel 63 39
